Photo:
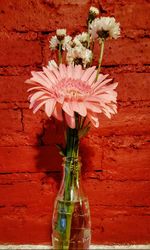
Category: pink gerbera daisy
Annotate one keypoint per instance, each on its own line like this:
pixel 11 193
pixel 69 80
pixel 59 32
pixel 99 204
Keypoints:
pixel 66 90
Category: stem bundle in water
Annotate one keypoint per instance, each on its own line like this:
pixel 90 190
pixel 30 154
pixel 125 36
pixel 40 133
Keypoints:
pixel 71 217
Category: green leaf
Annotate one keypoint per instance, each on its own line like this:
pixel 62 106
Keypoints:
pixel 62 151
pixel 82 132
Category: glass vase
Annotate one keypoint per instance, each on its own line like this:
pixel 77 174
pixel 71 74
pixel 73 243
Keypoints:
pixel 71 225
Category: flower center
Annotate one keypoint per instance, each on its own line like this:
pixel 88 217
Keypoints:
pixel 73 88
pixel 103 33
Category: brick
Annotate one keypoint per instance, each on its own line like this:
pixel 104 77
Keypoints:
pixel 18 70
pixel 29 159
pixel 128 121
pixel 108 192
pixel 19 53
pixel 37 184
pixel 47 131
pixel 38 229
pixel 118 193
pixel 126 162
pixel 13 35
pixel 133 86
pixel 122 230
pixel 31 230
pixel 31 132
pixel 125 51
pixel 117 163
pixel 116 158
pixel 34 211
pixel 10 120
pixel 13 88
pixel 91 146
pixel 41 15
pixel 16 139
pixel 126 14
pixel 37 129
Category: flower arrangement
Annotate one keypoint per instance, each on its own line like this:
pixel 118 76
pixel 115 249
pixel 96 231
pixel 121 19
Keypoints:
pixel 75 91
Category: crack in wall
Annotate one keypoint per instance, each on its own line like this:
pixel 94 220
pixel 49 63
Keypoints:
pixel 22 118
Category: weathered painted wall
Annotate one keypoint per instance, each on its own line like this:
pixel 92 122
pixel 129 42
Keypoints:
pixel 116 169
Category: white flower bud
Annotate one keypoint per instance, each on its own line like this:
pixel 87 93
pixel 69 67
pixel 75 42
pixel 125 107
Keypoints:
pixel 61 32
pixel 94 10
pixel 54 43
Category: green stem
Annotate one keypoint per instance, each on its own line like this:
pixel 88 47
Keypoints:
pixel 92 48
pixel 59 53
pixel 100 58
pixel 88 36
pixel 72 153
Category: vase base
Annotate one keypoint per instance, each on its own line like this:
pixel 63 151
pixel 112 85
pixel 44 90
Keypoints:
pixel 74 245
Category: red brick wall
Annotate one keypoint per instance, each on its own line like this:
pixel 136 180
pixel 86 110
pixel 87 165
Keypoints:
pixel 115 157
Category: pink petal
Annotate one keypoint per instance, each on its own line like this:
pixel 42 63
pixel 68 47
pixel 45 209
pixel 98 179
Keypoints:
pixel 78 72
pixel 58 112
pixel 93 99
pixel 108 96
pixel 52 78
pixel 101 78
pixel 94 107
pixel 110 108
pixel 49 107
pixel 70 71
pixel 87 73
pixel 107 89
pixel 62 71
pixel 93 119
pixel 107 113
pixel 92 78
pixel 39 79
pixel 98 86
pixel 70 121
pixel 36 95
pixel 57 74
pixel 29 81
pixel 35 88
pixel 67 108
pixel 80 108
pixel 49 81
pixel 40 99
pixel 38 105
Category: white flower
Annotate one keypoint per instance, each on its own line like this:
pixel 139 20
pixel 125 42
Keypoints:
pixel 67 42
pixel 54 42
pixel 61 32
pixel 94 10
pixel 76 42
pixel 105 27
pixel 87 55
pixel 82 38
pixel 79 55
pixel 52 64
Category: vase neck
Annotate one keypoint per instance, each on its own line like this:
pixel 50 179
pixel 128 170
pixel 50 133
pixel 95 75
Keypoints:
pixel 72 167
pixel 72 147
pixel 71 186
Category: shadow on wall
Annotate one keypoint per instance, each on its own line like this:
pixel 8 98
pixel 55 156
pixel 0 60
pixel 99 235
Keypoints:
pixel 48 159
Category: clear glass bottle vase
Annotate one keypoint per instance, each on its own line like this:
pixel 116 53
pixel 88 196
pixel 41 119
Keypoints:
pixel 71 223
